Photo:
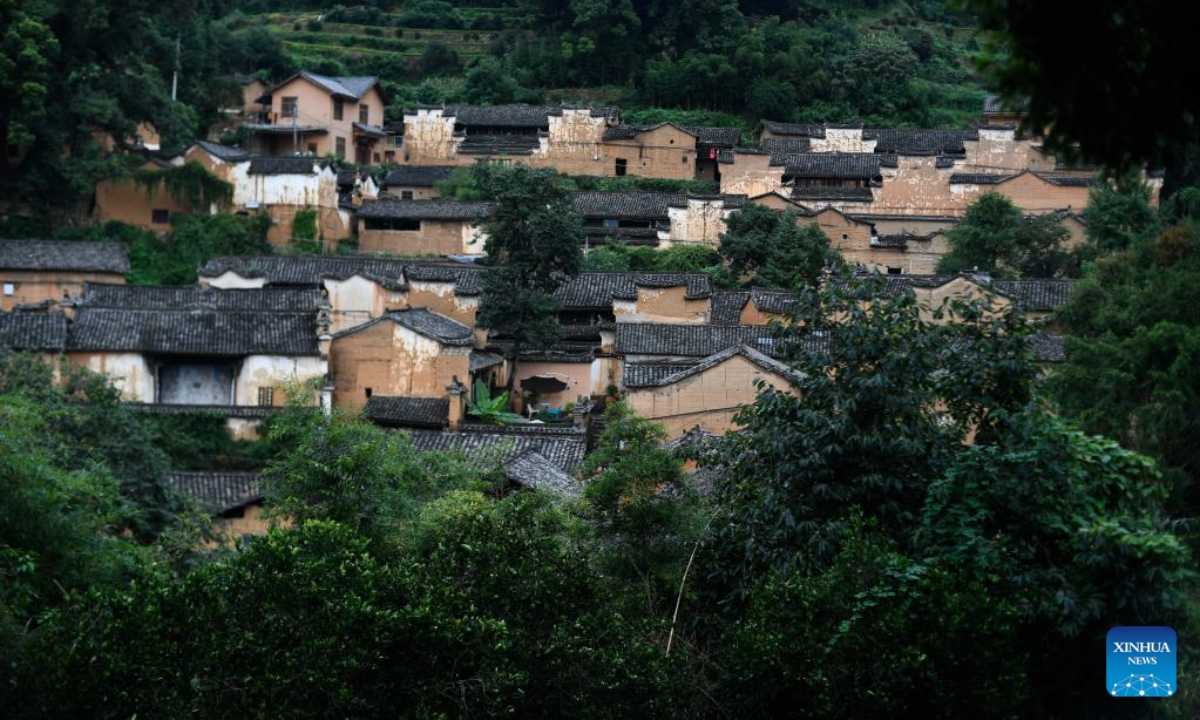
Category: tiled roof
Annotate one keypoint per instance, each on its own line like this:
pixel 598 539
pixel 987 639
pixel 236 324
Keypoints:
pixel 801 129
pixel 64 255
pixel 535 471
pixel 498 144
pixel 806 192
pixel 626 205
pixel 776 302
pixel 1037 295
pixel 780 147
pixel 649 374
pixel 367 129
pixel 193 297
pixel 224 152
pixel 43 331
pixel 980 178
pixel 406 410
pixel 565 447
pixel 354 86
pixel 436 209
pixel 727 306
pixel 312 269
pixel 719 136
pixel 227 411
pixel 598 290
pixel 193 332
pixel 905 142
pixel 282 166
pixel 418 175
pixel 688 340
pixel 754 356
pixel 483 360
pixel 423 322
pixel 628 131
pixel 501 115
pixel 834 165
pixel 1049 348
pixel 219 492
pixel 269 129
pixel 1067 180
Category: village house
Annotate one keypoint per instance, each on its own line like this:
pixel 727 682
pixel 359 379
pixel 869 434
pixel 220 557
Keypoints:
pixel 655 219
pixel 321 116
pixel 422 227
pixel 244 95
pixel 33 272
pixel 196 347
pixel 574 141
pixel 234 499
pixel 415 182
pixel 150 207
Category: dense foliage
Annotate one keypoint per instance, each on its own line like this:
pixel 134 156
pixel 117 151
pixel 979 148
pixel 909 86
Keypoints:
pixel 995 237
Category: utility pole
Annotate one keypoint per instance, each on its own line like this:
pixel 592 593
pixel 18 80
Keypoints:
pixel 175 75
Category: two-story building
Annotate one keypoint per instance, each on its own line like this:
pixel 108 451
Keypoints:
pixel 321 116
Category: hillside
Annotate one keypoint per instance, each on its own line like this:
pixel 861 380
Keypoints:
pixel 895 64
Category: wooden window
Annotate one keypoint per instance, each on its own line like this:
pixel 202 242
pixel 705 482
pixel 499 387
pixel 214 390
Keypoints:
pixel 406 194
pixel 341 148
pixel 621 166
pixel 289 107
pixel 338 109
pixel 159 216
pixel 266 396
pixel 364 114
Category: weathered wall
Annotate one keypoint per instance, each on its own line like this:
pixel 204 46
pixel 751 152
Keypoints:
pixel 356 300
pixel 578 377
pixel 917 187
pixel 701 221
pixel 842 140
pixel 418 193
pixel 39 286
pixel 123 200
pixel 1034 195
pixel 708 399
pixel 392 360
pixel 251 521
pixel 751 174
pixel 960 288
pixel 195 383
pixel 129 372
pixel 436 237
pixel 663 305
pixel 665 152
pixel 1000 151
pixel 441 299
pixel 274 371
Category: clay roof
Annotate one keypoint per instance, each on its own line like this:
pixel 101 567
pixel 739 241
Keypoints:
pixel 779 147
pixel 193 332
pixel 63 255
pixel 562 446
pixel 351 87
pixel 224 152
pixel 756 357
pixel 531 469
pixel 904 142
pixel 649 374
pixel 312 269
pixel 498 144
pixel 194 297
pixel 1049 348
pixel 407 410
pixel 218 491
pixel 626 205
pixel 719 136
pixel 599 289
pixel 688 340
pixel 483 360
pixel 832 194
pixel 800 129
pixel 436 209
pixel 833 165
pixel 1037 295
pixel 40 331
pixel 516 115
pixel 418 175
pixel 980 178
pixel 777 302
pixel 727 307
pixel 282 166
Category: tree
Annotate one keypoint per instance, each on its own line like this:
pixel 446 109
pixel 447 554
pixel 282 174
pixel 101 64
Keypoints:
pixel 772 246
pixel 1119 213
pixel 888 399
pixel 995 238
pixel 1074 95
pixel 534 243
pixel 489 83
pixel 644 509
pixel 1133 349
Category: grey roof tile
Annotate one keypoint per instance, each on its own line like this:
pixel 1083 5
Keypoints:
pixel 38 331
pixel 64 255
pixel 599 289
pixel 689 340
pixel 727 307
pixel 218 491
pixel 282 166
pixel 418 175
pixel 408 411
pixel 718 136
pixel 436 209
pixel 564 447
pixel 224 152
pixel 194 297
pixel 193 332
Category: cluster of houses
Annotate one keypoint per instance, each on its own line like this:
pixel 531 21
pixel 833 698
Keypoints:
pixel 396 338
pixel 885 197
